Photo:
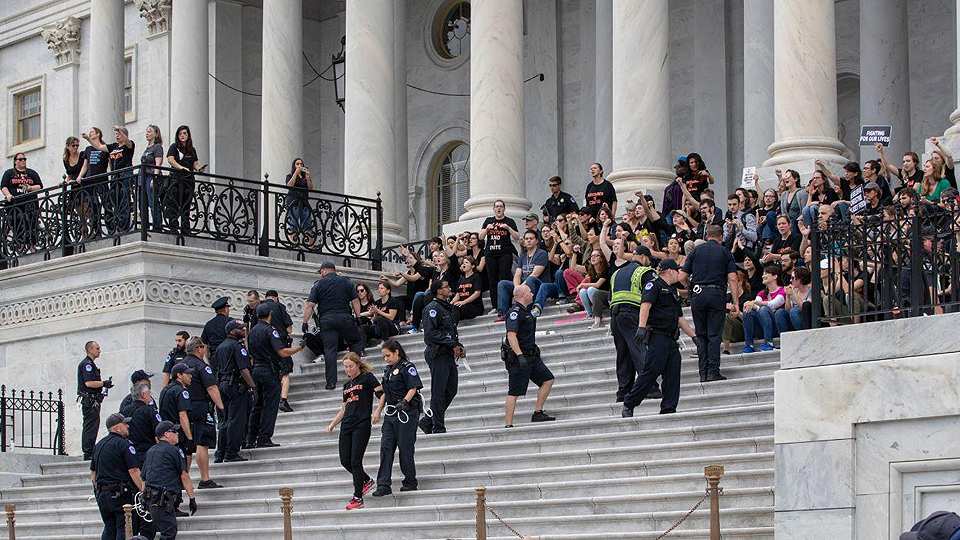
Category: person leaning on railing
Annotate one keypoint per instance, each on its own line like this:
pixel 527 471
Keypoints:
pixel 178 194
pixel 120 157
pixel 153 156
pixel 19 185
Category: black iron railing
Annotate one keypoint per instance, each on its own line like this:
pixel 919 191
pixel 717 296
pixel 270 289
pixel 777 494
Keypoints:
pixel 144 200
pixel 394 254
pixel 906 265
pixel 30 420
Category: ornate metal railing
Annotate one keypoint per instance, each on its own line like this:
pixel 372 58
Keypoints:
pixel 144 200
pixel 35 421
pixel 875 268
pixel 394 254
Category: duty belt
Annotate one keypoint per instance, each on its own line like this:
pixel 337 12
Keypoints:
pixel 698 288
pixel 624 307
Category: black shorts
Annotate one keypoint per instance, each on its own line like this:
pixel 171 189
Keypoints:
pixel 182 441
pixel 204 434
pixel 286 366
pixel 520 376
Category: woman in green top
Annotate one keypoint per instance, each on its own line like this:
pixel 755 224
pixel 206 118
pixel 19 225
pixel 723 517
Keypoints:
pixel 932 186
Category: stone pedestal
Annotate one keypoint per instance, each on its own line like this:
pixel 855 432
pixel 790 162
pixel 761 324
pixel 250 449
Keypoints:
pixel 105 80
pixel 281 115
pixel 884 61
pixel 641 118
pixel 189 74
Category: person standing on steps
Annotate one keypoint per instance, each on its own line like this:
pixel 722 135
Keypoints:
pixel 235 383
pixel 143 419
pixel 443 350
pixel 204 395
pixel 175 356
pixel 599 192
pixel 522 357
pixel 707 271
pixel 661 319
pixel 115 473
pixel 627 285
pixel 500 251
pixel 137 376
pixel 282 323
pixel 90 388
pixel 268 352
pixel 338 310
pixel 175 407
pixel 165 474
pixel 214 332
pixel 355 424
pixel 400 405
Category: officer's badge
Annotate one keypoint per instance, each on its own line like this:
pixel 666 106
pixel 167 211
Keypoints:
pixel 648 286
pixel 433 313
pixel 89 367
pixel 168 357
pixel 276 334
pixel 412 371
pixel 210 371
pixel 158 418
pixel 396 371
pixel 243 351
pixel 186 395
pixel 513 316
pixel 132 450
pixel 181 453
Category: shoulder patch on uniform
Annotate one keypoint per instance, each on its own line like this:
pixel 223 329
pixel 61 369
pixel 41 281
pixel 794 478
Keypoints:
pixel 181 453
pixel 132 450
pixel 513 315
pixel 158 418
pixel 648 286
pixel 412 371
pixel 168 356
pixel 89 367
pixel 433 313
pixel 186 395
pixel 210 371
pixel 243 351
pixel 276 334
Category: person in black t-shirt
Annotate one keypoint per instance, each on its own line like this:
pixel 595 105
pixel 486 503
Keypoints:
pixel 120 156
pixel 417 277
pixel 178 194
pixel 497 232
pixel 95 161
pixel 468 302
pixel 19 186
pixel 599 192
pixel 786 241
pixel 355 418
pixel 299 218
pixel 387 314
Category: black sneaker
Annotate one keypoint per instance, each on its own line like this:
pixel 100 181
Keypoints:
pixel 285 406
pixel 627 412
pixel 405 488
pixel 267 444
pixel 234 459
pixel 218 460
pixel 382 492
pixel 716 377
pixel 330 386
pixel 208 484
pixel 180 513
pixel 540 416
pixel 655 394
pixel 425 425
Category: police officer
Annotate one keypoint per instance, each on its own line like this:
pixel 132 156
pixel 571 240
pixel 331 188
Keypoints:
pixel 626 285
pixel 203 394
pixel 235 383
pixel 268 352
pixel 250 310
pixel 165 473
pixel 90 388
pixel 176 355
pixel 522 357
pixel 661 319
pixel 559 202
pixel 338 310
pixel 710 268
pixel 400 405
pixel 138 376
pixel 283 324
pixel 115 472
pixel 143 419
pixel 443 348
pixel 213 332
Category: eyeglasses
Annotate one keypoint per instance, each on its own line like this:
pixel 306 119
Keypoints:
pixel 20 159
pixel 74 146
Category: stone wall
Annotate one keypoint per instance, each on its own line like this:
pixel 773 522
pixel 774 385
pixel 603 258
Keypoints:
pixel 866 423
pixel 131 299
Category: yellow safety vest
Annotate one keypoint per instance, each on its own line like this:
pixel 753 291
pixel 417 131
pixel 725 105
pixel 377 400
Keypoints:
pixel 632 296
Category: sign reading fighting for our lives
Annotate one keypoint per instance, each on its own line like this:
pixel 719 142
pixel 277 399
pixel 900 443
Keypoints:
pixel 871 135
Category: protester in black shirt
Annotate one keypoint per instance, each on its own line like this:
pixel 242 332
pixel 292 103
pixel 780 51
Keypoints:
pixel 700 176
pixel 354 418
pixel 910 175
pixel 95 161
pixel 853 177
pixel 386 313
pixel 300 228
pixel 366 302
pixel 467 302
pixel 72 159
pixel 178 194
pixel 497 232
pixel 599 192
pixel 786 240
pixel 120 156
pixel 19 186
pixel 819 191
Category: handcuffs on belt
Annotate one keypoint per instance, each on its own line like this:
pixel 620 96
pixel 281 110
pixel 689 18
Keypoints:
pixel 391 410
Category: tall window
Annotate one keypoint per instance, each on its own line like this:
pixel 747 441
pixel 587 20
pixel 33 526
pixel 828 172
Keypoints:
pixel 128 84
pixel 453 185
pixel 27 112
pixel 452 30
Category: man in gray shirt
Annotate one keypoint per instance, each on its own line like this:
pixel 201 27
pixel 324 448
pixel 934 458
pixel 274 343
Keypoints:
pixel 739 226
pixel 530 266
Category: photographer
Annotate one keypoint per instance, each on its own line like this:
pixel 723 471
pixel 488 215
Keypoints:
pixel 299 218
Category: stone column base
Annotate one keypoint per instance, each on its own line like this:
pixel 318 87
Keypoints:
pixel 786 151
pixel 650 180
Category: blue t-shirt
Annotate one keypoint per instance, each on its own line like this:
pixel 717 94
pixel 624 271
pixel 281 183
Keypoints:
pixel 528 262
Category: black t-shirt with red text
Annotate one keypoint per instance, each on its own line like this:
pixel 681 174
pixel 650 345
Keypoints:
pixel 597 194
pixel 358 396
pixel 121 156
pixel 18 182
pixel 498 239
pixel 468 286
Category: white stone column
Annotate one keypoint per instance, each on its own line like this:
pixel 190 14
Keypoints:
pixel 884 65
pixel 189 73
pixel 63 39
pixel 497 151
pixel 603 81
pixel 281 110
pixel 641 98
pixel 402 207
pixel 758 107
pixel 805 82
pixel 955 116
pixel 105 79
pixel 370 124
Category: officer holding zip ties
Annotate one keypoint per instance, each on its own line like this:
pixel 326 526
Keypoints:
pixel 400 405
pixel 521 357
pixel 442 352
pixel 115 473
pixel 164 475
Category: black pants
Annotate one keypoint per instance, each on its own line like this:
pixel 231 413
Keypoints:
pixel 91 425
pixel 380 328
pixel 499 266
pixel 416 312
pixel 332 328
pixel 630 353
pixel 709 313
pixel 164 521
pixel 234 428
pixel 263 418
pixel 111 504
pixel 662 359
pixel 444 382
pixel 353 443
pixel 468 311
pixel 393 435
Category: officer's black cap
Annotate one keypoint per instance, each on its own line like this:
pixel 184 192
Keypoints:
pixel 263 310
pixel 234 325
pixel 182 368
pixel 272 292
pixel 140 375
pixel 668 264
pixel 643 250
pixel 221 302
pixel 117 418
pixel 164 427
pixel 937 526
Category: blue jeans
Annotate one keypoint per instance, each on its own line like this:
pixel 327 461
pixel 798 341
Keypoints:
pixel 788 320
pixel 505 293
pixel 586 298
pixel 768 231
pixel 557 289
pixel 811 213
pixel 759 319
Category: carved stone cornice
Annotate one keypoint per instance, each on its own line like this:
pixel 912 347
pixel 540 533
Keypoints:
pixel 157 15
pixel 63 38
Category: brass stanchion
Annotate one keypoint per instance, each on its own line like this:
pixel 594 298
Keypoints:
pixel 128 520
pixel 11 510
pixel 713 474
pixel 481 513
pixel 286 495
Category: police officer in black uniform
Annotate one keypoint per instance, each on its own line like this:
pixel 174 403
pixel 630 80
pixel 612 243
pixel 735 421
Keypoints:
pixel 143 419
pixel 204 395
pixel 268 352
pixel 709 269
pixel 213 332
pixel 627 287
pixel 90 395
pixel 165 473
pixel 559 202
pixel 400 405
pixel 236 383
pixel 521 357
pixel 661 319
pixel 443 348
pixel 281 321
pixel 338 310
pixel 138 376
pixel 115 472
pixel 176 355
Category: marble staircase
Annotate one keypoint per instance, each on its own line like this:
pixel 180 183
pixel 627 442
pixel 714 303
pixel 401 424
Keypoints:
pixel 589 475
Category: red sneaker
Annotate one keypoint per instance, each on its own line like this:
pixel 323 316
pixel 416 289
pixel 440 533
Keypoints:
pixel 355 503
pixel 368 485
